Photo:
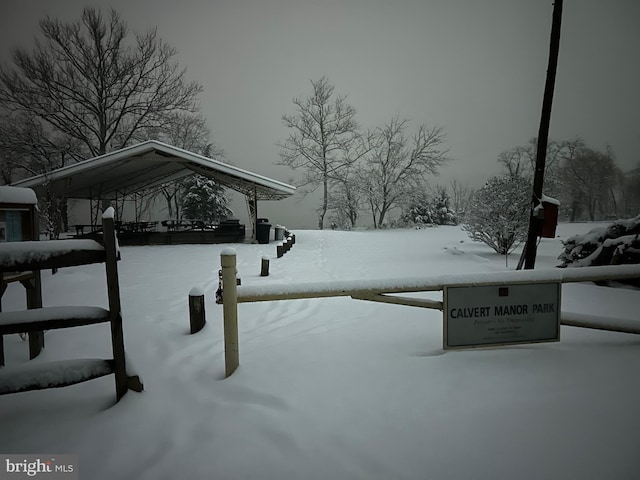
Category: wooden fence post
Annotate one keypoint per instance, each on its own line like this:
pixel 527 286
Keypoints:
pixel 33 287
pixel 113 292
pixel 197 318
pixel 264 267
pixel 230 310
pixel 279 250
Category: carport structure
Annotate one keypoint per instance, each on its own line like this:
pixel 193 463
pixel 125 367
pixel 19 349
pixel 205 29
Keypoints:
pixel 149 165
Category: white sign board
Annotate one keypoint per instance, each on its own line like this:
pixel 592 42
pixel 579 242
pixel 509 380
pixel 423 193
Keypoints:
pixel 492 315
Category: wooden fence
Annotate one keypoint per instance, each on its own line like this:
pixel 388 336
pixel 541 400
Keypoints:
pixel 380 290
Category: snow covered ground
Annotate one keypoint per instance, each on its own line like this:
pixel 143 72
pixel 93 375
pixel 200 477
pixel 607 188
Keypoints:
pixel 330 388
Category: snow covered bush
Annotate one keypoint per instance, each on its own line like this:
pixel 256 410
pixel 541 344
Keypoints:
pixel 204 199
pixel 615 244
pixel 499 212
pixel 426 210
pixel 442 212
pixel 418 215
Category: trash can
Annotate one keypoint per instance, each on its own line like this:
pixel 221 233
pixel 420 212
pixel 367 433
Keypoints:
pixel 263 229
pixel 278 233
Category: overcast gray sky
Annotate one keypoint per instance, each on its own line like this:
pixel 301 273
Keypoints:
pixel 475 67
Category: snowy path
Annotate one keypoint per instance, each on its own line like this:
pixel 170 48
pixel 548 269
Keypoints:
pixel 329 388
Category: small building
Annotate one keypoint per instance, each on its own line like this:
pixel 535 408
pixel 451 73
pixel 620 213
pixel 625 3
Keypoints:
pixel 18 214
pixel 550 208
pixel 19 223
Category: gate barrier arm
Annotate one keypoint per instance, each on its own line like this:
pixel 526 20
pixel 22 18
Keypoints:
pixel 378 290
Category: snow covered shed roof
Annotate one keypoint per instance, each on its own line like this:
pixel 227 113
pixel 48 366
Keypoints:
pixel 17 196
pixel 147 165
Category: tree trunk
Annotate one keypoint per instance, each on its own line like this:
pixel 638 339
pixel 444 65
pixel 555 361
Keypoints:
pixel 169 199
pixel 353 217
pixel 169 208
pixel 383 212
pixel 176 202
pixel 325 202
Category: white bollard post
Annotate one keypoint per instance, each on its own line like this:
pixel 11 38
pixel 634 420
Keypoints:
pixel 230 310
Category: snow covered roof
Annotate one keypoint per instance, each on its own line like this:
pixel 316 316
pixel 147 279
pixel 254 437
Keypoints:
pixel 147 165
pixel 550 200
pixel 15 195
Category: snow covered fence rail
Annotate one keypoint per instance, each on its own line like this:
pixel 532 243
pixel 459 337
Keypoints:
pixel 38 255
pixel 379 289
pixel 358 288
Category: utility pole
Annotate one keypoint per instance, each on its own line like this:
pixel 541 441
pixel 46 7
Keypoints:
pixel 530 248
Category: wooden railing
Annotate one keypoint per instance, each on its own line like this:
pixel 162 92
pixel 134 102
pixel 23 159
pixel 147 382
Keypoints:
pixel 38 255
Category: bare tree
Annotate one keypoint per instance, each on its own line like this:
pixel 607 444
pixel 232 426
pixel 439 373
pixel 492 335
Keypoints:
pixel 587 176
pixel 461 196
pixel 189 132
pixel 520 161
pixel 629 184
pixel 322 132
pixel 87 81
pixel 398 164
pixel 345 200
pixel 28 147
pixel 88 88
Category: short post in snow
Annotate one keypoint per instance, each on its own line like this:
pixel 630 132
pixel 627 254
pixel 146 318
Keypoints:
pixel 264 267
pixel 230 310
pixel 279 250
pixel 197 317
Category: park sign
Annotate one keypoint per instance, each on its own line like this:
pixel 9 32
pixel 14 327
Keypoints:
pixel 494 315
